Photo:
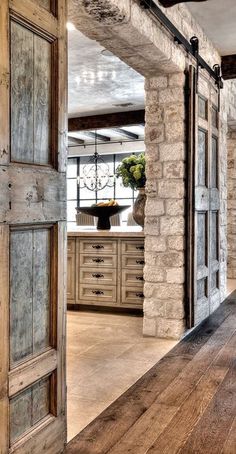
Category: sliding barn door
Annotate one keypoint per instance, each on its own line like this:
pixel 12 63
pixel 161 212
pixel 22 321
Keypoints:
pixel 204 199
pixel 32 225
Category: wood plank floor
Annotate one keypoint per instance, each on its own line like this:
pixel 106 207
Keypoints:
pixel 185 404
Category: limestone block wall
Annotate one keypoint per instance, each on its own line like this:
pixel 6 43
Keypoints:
pixel 231 205
pixel 165 222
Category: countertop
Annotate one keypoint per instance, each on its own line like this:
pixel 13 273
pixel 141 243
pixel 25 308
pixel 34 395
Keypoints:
pixel 114 232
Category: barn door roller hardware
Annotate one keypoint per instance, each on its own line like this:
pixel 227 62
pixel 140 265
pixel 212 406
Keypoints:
pixel 191 47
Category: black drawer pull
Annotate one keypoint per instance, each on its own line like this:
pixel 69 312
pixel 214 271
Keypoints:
pixel 140 248
pixel 140 262
pixel 97 246
pixel 98 292
pixel 139 278
pixel 98 260
pixel 140 295
pixel 98 275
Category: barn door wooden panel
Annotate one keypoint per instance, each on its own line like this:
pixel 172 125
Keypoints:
pixel 204 292
pixel 32 225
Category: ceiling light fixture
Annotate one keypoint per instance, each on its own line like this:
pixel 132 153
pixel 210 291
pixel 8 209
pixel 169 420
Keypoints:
pixel 96 173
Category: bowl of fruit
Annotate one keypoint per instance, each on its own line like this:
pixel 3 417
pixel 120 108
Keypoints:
pixel 103 211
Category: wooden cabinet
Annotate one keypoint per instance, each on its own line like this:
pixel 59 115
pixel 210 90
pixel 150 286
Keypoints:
pixel 105 270
pixel 132 262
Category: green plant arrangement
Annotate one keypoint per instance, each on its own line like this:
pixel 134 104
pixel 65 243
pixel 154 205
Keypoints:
pixel 132 171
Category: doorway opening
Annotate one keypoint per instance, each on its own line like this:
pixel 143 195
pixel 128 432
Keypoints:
pixel 106 350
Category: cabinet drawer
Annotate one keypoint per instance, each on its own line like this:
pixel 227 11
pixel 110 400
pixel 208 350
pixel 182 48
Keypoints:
pixel 98 261
pixel 98 293
pixel 131 295
pixel 129 261
pixel 99 247
pixel 71 246
pixel 104 276
pixel 132 278
pixel 133 247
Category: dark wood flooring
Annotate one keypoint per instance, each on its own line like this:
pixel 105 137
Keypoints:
pixel 185 404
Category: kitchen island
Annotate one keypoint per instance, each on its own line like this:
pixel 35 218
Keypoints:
pixel 105 267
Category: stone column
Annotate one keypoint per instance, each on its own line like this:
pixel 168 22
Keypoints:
pixel 231 231
pixel 165 222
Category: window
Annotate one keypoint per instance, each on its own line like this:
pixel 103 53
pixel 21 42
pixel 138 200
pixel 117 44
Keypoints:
pixel 77 195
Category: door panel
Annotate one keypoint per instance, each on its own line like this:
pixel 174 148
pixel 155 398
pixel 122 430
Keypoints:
pixel 30 292
pixel 28 408
pixel 32 226
pixel 204 201
pixel 30 96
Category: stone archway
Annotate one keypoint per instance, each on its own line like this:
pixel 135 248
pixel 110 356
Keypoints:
pixel 124 29
pixel 133 35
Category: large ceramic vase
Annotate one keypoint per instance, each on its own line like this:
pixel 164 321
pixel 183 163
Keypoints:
pixel 139 207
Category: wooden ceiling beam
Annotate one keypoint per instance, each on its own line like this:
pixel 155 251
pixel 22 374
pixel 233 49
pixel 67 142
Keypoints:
pixel 228 67
pixel 125 133
pixel 117 119
pixel 99 136
pixel 169 3
pixel 75 140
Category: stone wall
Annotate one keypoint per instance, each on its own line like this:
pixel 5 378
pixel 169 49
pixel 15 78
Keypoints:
pixel 231 204
pixel 165 222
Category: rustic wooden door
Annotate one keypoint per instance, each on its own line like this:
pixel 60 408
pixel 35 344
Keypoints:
pixel 204 207
pixel 33 122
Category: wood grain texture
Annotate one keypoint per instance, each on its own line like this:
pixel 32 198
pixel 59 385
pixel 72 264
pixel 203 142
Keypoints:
pixel 31 195
pixel 41 289
pixel 48 438
pixel 220 412
pixel 61 102
pixel 204 234
pixel 29 407
pixel 20 414
pixel 34 14
pixel 183 404
pixel 45 4
pixel 42 100
pixel 30 293
pixel 4 337
pixel 230 444
pixel 60 242
pixel 21 296
pixel 30 96
pixel 22 94
pixel 107 120
pixel 4 84
pixel 26 374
